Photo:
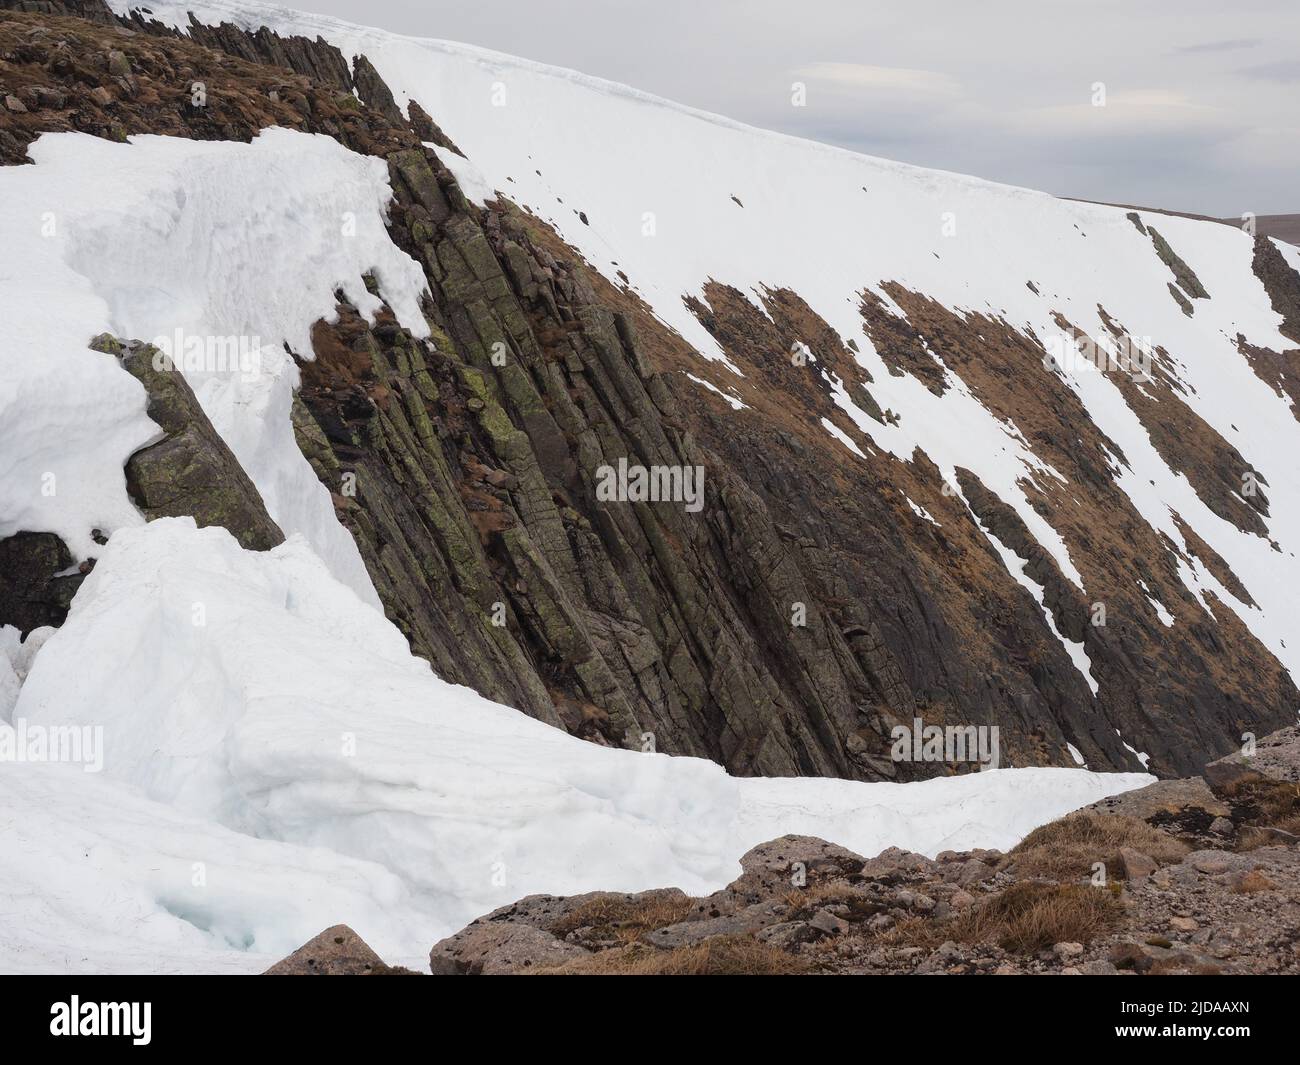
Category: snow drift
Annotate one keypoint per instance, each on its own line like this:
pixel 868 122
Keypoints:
pixel 276 761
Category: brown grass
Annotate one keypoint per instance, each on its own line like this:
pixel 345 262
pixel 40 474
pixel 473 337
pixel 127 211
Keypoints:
pixel 1031 916
pixel 720 956
pixel 1028 916
pixel 1252 838
pixel 1068 848
pixel 627 920
pixel 1266 802
pixel 914 932
pixel 805 902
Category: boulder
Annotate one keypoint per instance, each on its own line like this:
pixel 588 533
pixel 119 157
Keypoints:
pixel 1227 775
pixel 498 949
pixel 337 951
pixel 1136 864
pixel 190 471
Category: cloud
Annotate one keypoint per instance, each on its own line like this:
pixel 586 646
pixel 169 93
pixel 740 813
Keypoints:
pixel 1282 70
pixel 1150 112
pixel 861 77
pixel 1218 46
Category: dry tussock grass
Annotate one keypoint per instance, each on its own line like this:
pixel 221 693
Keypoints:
pixel 1027 917
pixel 1030 916
pixel 615 917
pixel 720 956
pixel 1068 848
pixel 804 902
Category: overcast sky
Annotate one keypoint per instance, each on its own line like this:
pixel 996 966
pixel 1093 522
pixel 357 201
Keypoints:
pixel 1202 97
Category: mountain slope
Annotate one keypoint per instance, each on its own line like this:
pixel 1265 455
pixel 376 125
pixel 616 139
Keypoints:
pixel 983 511
pixel 981 504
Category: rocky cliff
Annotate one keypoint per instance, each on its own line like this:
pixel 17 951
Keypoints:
pixel 807 608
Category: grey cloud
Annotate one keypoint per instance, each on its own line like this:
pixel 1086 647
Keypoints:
pixel 1218 46
pixel 1283 70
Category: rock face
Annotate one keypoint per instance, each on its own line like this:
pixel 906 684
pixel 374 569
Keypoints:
pixel 190 471
pixel 784 628
pixel 36 588
pixel 338 951
pixel 1276 755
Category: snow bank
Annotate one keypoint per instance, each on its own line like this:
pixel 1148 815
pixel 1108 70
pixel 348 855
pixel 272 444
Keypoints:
pixel 255 712
pixel 162 237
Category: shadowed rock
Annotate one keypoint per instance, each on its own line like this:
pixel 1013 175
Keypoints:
pixel 191 471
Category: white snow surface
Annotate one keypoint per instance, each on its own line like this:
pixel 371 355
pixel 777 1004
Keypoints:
pixel 214 239
pixel 829 223
pixel 288 764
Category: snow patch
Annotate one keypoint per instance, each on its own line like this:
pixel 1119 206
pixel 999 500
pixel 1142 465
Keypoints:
pixel 731 400
pixel 321 773
pixel 842 437
pixel 211 239
pixel 1017 567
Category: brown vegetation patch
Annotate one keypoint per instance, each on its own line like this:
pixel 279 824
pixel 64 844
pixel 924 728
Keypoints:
pixel 720 956
pixel 901 345
pixel 1264 802
pixel 620 917
pixel 1185 441
pixel 1280 370
pixel 806 902
pixel 1030 916
pixel 70 74
pixel 1067 849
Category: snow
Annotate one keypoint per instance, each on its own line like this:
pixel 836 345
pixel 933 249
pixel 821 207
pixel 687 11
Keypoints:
pixel 842 437
pixel 471 182
pixel 731 400
pixel 1166 618
pixel 921 512
pixel 160 235
pixel 1017 567
pixel 1141 756
pixel 317 773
